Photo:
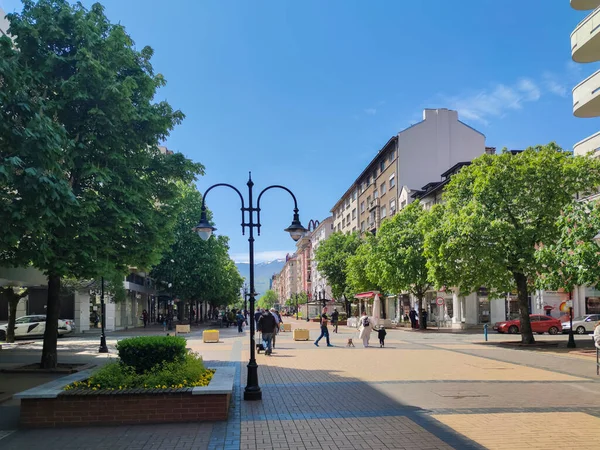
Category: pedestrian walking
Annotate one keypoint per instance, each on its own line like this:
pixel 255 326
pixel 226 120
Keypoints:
pixel 145 317
pixel 278 322
pixel 365 328
pixel 266 326
pixel 240 321
pixel 324 330
pixel 412 315
pixel 381 335
pixel 257 315
pixel 424 318
pixel 597 336
pixel 335 317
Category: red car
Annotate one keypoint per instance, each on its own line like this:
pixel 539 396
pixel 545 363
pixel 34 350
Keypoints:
pixel 539 324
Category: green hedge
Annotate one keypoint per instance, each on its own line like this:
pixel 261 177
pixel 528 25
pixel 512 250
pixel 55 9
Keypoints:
pixel 144 353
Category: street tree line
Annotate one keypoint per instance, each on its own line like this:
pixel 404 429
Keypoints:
pixel 508 222
pixel 85 191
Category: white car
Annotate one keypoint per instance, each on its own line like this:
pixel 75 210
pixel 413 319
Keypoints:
pixel 582 325
pixel 29 326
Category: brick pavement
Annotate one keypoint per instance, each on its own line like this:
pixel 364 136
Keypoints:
pixel 420 392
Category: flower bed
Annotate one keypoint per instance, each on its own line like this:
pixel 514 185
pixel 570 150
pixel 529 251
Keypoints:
pixel 178 389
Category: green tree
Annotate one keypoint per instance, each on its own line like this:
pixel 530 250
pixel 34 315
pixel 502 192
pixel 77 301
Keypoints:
pixel 197 270
pixel 399 256
pixel 574 258
pixel 332 258
pixel 118 189
pixel 361 274
pixel 268 299
pixel 13 294
pixel 497 210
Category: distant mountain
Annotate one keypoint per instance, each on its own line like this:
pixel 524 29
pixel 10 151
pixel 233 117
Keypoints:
pixel 262 273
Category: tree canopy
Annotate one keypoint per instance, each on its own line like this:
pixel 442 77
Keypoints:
pixel 94 193
pixel 267 300
pixel 332 259
pixel 496 212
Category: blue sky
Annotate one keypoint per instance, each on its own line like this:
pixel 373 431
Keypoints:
pixel 305 93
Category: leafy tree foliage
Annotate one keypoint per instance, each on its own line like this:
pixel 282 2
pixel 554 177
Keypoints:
pixel 198 270
pixel 398 260
pixel 574 258
pixel 332 258
pixel 497 211
pixel 361 275
pixel 103 192
pixel 267 300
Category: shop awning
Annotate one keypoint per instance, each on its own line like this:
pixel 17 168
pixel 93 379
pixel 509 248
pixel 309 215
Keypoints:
pixel 370 294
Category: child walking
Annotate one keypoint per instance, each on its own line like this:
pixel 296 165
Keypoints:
pixel 381 335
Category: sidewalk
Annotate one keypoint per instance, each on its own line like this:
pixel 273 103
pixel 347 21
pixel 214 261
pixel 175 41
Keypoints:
pixel 417 393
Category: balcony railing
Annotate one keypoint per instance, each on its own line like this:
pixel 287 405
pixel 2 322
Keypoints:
pixel 586 97
pixel 590 145
pixel 585 39
pixel 584 5
pixel 373 204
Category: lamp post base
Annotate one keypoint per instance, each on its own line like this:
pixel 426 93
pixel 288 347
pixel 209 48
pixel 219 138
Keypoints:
pixel 252 393
pixel 571 343
pixel 103 348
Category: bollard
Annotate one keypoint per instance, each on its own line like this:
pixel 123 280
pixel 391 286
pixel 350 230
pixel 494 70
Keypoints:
pixel 485 328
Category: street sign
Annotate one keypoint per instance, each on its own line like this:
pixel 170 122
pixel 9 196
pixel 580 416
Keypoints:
pixel 569 303
pixel 439 301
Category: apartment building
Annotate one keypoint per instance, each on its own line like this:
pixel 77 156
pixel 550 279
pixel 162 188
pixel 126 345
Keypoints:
pixel 377 188
pixel 585 48
pixel 3 24
pixel 288 278
pixel 303 265
pixel 345 211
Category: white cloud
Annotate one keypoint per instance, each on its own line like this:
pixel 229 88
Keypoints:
pixel 499 99
pixel 260 256
pixel 371 111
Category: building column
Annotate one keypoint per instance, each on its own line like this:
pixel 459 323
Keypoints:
pixel 82 311
pixel 457 310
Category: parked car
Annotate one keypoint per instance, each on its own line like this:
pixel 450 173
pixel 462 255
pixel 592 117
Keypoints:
pixel 539 324
pixel 29 326
pixel 581 325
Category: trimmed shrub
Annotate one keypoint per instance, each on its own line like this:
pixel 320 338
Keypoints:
pixel 145 352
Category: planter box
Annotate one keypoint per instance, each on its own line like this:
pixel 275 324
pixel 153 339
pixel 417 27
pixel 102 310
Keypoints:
pixel 301 335
pixel 315 320
pixel 286 327
pixel 342 322
pixel 210 335
pixel 49 406
pixel 182 328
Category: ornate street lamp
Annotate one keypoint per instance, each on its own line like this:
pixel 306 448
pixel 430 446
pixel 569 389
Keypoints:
pixel 205 230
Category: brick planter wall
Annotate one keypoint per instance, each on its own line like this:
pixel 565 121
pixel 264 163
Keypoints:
pixel 120 409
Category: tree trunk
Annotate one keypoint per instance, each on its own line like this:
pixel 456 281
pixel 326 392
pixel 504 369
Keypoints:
pixel 49 354
pixel 191 312
pixel 525 328
pixel 13 302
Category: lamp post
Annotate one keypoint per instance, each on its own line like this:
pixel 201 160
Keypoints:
pixel 297 312
pixel 307 300
pixel 103 348
pixel 205 229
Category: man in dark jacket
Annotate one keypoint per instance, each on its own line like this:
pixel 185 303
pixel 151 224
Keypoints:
pixel 267 325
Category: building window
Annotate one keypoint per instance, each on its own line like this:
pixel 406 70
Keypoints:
pixel 368 199
pixel 348 219
pixel 354 195
pixel 348 203
pixel 353 229
pixel 343 223
pixel 362 226
pixel 369 181
pixel 392 155
pixel 393 205
pixel 374 175
pixel 362 207
pixel 354 214
pixel 383 212
pixel 376 194
pixel 382 165
pixel 393 180
pixel 383 188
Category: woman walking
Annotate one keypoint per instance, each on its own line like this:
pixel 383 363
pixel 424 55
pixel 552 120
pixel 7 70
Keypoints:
pixel 364 331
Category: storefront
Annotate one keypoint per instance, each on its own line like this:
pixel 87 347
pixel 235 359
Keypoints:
pixel 592 301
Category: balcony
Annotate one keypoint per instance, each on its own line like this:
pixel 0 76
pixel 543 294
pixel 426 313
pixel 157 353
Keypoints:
pixel 373 204
pixel 588 145
pixel 584 5
pixel 586 97
pixel 585 39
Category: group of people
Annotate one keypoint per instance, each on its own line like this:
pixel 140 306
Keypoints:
pixel 413 316
pixel 365 327
pixel 268 324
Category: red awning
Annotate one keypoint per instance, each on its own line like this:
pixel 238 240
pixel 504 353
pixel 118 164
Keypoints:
pixel 369 294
